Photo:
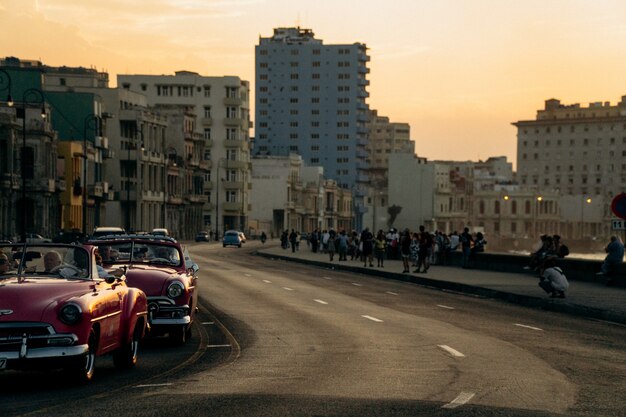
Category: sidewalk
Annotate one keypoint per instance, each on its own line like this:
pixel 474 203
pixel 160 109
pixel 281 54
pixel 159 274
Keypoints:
pixel 583 298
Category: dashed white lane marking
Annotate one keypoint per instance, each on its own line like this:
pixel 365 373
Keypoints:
pixel 528 327
pixel 451 351
pixel 267 282
pixel 391 293
pixel 207 323
pixel 357 285
pixel 327 277
pixel 320 301
pixel 442 306
pixel 372 318
pixel 287 289
pixel 462 398
pixel 153 385
pixel 217 346
pixel 247 275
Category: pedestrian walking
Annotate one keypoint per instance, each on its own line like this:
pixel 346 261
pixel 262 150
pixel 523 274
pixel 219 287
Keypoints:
pixel 342 246
pixel 368 247
pixel 424 251
pixel 466 246
pixel 380 246
pixel 330 244
pixel 293 240
pixel 405 250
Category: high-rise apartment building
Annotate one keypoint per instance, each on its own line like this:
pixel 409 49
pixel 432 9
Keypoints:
pixel 311 100
pixel 222 109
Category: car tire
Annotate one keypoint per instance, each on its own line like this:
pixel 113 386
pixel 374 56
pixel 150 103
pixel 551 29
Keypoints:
pixel 179 336
pixel 126 356
pixel 82 370
pixel 224 244
pixel 239 245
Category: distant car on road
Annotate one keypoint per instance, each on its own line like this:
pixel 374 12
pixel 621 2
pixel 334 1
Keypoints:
pixel 69 236
pixel 107 231
pixel 35 238
pixel 160 232
pixel 202 236
pixel 231 238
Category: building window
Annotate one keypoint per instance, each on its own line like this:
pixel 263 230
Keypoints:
pixel 207 133
pixel 207 112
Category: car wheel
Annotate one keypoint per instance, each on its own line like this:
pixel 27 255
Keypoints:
pixel 224 244
pixel 83 369
pixel 126 356
pixel 239 245
pixel 179 336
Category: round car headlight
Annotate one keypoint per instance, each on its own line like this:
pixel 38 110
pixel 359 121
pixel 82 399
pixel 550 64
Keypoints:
pixel 70 314
pixel 175 290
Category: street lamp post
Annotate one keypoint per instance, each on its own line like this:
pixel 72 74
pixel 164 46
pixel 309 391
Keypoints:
pixel 582 215
pixel 30 96
pixel 5 84
pixel 537 209
pixel 95 119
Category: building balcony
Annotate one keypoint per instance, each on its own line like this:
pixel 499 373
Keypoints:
pixel 363 82
pixel 234 121
pixel 108 153
pixel 228 164
pixel 174 200
pixel 233 101
pixel 364 70
pixel 233 185
pixel 363 93
pixel 206 121
pixel 235 143
pixel 362 178
pixel 364 57
pixel 197 198
pixel 231 206
pixel 205 164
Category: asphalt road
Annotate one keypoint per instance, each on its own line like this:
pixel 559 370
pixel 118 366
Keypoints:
pixel 279 339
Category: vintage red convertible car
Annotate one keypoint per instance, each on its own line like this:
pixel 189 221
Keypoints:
pixel 161 268
pixel 57 311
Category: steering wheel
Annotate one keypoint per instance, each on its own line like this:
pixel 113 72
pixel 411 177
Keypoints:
pixel 58 268
pixel 161 260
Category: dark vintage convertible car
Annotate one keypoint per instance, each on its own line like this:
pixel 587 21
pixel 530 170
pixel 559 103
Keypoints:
pixel 163 270
pixel 57 311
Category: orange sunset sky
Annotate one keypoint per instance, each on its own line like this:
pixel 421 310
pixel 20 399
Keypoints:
pixel 458 71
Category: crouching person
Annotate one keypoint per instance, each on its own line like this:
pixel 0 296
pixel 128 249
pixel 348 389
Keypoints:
pixel 553 280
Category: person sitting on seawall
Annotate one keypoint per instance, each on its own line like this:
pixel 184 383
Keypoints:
pixel 553 280
pixel 614 257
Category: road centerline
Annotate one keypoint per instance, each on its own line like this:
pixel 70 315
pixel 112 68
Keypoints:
pixel 528 327
pixel 461 399
pixel 320 301
pixel 452 351
pixel 372 318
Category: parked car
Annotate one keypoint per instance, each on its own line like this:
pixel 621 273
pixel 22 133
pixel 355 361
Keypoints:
pixel 231 238
pixel 35 238
pixel 160 232
pixel 158 266
pixel 57 312
pixel 107 231
pixel 203 236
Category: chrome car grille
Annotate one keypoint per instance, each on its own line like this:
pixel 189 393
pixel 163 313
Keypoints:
pixel 13 336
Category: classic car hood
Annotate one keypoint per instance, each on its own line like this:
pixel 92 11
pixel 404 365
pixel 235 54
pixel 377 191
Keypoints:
pixel 28 299
pixel 149 279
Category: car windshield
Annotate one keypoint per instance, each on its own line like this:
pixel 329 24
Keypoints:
pixel 45 260
pixel 152 252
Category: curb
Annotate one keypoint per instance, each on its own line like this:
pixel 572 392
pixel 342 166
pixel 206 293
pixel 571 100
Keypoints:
pixel 541 303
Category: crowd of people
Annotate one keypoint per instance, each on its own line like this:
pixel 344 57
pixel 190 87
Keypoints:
pixel 418 249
